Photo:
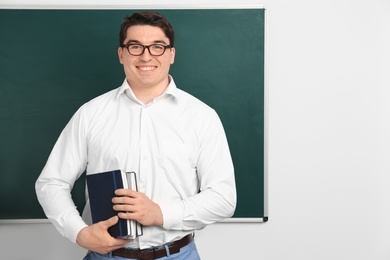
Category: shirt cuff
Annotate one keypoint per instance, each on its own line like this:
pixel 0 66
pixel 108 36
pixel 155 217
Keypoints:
pixel 172 215
pixel 73 226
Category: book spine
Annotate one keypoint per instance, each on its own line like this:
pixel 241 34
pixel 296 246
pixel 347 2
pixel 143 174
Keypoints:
pixel 119 184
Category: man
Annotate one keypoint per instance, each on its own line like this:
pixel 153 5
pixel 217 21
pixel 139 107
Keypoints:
pixel 175 143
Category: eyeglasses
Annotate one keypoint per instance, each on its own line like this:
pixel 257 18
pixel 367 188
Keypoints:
pixel 138 49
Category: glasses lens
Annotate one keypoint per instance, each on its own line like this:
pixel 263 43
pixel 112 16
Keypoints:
pixel 156 49
pixel 135 49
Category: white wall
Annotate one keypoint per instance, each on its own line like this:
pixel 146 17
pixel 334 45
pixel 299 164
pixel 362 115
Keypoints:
pixel 329 141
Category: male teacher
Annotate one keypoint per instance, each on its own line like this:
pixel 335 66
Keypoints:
pixel 175 143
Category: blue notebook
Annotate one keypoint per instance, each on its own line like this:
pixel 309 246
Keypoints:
pixel 101 190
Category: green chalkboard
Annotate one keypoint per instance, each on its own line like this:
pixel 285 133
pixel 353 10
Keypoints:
pixel 53 61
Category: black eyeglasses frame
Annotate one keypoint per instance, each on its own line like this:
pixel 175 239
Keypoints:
pixel 146 47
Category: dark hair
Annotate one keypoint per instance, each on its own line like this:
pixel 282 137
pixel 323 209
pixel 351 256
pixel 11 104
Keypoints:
pixel 147 18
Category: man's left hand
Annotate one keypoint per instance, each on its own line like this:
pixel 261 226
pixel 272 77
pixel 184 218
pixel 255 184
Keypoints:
pixel 135 205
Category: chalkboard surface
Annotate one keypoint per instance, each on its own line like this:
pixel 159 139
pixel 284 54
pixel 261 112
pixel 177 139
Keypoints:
pixel 53 61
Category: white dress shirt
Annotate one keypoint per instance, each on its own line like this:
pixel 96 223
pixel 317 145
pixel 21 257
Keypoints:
pixel 175 144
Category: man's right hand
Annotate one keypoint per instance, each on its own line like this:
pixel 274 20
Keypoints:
pixel 96 237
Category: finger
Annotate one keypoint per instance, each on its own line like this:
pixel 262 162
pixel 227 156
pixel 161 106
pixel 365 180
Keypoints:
pixel 123 200
pixel 125 192
pixel 127 215
pixel 110 222
pixel 123 207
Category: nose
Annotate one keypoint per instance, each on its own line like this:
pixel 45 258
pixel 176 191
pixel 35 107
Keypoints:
pixel 146 56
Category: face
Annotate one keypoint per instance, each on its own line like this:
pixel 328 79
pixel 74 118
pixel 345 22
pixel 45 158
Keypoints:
pixel 146 72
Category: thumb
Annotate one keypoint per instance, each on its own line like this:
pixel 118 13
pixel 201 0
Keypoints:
pixel 111 221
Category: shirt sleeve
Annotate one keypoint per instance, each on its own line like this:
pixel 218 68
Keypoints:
pixel 65 165
pixel 217 197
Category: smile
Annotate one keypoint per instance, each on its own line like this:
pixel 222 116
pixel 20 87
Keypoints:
pixel 146 68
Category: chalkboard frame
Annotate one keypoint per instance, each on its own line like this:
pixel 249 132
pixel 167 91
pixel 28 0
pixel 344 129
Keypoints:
pixel 265 135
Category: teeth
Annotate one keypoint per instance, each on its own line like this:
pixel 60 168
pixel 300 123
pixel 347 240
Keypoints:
pixel 146 68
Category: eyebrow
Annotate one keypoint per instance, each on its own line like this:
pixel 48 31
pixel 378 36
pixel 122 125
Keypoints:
pixel 154 42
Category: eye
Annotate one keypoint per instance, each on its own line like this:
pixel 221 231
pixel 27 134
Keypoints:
pixel 158 47
pixel 135 47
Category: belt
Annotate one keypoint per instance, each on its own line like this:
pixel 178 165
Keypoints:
pixel 154 252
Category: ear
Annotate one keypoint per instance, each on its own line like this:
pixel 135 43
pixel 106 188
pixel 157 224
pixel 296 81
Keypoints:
pixel 120 55
pixel 173 52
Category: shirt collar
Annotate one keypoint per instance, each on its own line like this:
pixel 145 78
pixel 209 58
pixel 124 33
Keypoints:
pixel 125 89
